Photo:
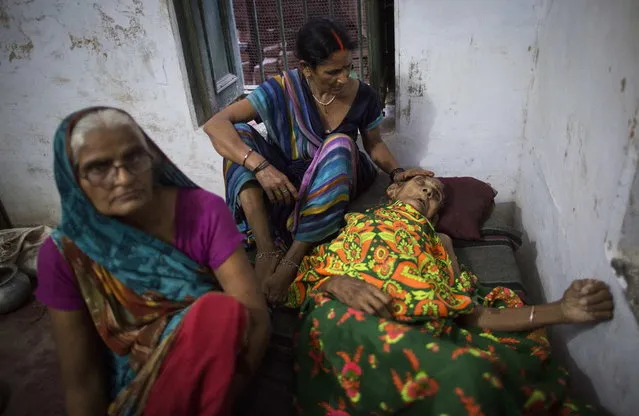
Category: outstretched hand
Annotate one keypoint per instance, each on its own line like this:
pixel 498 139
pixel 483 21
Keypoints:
pixel 411 173
pixel 587 300
pixel 359 295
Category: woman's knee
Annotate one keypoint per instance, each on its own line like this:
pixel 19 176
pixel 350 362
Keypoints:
pixel 339 141
pixel 216 310
pixel 339 150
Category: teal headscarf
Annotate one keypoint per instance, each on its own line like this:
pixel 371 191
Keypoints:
pixel 139 261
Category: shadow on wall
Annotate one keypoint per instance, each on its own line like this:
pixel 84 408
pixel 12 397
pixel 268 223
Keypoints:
pixel 559 336
pixel 415 119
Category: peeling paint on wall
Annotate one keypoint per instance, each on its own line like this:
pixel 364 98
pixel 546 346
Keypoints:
pixel 67 54
pixel 19 50
pixel 91 43
pixel 120 34
pixel 405 111
pixel 415 86
pixel 463 71
pixel 60 80
pixel 4 17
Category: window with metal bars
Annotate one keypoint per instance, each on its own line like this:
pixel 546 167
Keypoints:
pixel 267 31
pixel 231 46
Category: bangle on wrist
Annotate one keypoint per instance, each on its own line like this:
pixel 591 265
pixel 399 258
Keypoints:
pixel 531 318
pixel 265 163
pixel 246 157
pixel 394 173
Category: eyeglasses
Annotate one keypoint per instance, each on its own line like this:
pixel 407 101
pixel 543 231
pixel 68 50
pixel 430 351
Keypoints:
pixel 103 174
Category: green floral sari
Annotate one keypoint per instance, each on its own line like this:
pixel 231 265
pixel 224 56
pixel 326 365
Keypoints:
pixel 421 362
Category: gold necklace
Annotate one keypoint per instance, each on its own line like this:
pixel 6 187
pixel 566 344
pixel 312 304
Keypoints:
pixel 324 104
pixel 308 81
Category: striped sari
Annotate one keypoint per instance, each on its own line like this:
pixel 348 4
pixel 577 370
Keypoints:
pixel 327 169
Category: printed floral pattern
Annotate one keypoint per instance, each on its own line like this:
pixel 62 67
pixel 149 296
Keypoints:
pixel 352 363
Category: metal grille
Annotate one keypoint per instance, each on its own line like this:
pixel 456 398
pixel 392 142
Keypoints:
pixel 267 30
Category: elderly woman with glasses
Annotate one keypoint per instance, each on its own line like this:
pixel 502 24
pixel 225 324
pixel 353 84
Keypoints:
pixel 149 269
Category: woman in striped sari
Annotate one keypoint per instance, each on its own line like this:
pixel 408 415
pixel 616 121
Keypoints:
pixel 309 165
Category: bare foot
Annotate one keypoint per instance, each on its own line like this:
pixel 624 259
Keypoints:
pixel 266 263
pixel 276 284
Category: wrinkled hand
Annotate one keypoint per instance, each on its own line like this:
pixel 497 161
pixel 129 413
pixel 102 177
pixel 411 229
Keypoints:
pixel 275 289
pixel 276 185
pixel 587 300
pixel 360 295
pixel 411 173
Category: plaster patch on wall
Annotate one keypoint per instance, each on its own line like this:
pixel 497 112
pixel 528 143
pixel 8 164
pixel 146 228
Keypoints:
pixel 19 51
pixel 91 43
pixel 628 274
pixel 534 50
pixel 575 139
pixel 119 34
pixel 60 80
pixel 4 17
pixel 164 8
pixel 415 87
pixel 34 170
pixel 405 112
pixel 622 248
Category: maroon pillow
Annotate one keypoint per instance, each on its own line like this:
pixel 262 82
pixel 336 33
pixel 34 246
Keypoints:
pixel 467 203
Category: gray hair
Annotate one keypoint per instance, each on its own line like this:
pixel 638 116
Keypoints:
pixel 102 119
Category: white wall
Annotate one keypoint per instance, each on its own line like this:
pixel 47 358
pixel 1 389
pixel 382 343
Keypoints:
pixel 59 56
pixel 463 69
pixel 582 116
pixel 477 80
pixel 541 99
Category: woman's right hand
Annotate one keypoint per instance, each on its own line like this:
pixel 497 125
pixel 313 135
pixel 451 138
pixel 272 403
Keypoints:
pixel 587 300
pixel 276 185
pixel 359 295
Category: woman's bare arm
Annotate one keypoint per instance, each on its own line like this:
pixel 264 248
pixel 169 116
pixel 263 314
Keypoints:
pixel 585 301
pixel 80 353
pixel 447 242
pixel 224 137
pixel 238 280
pixel 516 319
pixel 378 151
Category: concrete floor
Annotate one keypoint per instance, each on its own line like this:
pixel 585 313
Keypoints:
pixel 28 363
pixel 29 368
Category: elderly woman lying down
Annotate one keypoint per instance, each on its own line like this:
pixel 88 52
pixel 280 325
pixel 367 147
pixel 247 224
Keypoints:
pixel 388 326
